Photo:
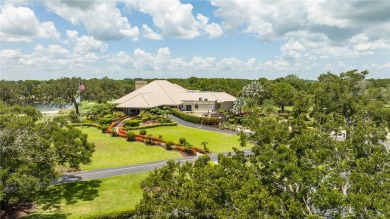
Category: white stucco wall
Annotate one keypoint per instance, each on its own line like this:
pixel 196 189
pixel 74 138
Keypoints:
pixel 227 105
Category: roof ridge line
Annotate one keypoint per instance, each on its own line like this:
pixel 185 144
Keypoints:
pixel 166 92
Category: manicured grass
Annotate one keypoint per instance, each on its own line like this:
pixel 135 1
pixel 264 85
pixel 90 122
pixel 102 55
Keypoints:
pixel 217 142
pixel 116 151
pixel 75 200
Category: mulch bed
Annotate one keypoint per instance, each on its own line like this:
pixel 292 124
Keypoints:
pixel 17 210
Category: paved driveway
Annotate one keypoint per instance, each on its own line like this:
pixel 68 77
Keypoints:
pixel 116 171
pixel 197 126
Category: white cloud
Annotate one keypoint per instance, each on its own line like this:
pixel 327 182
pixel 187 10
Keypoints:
pixel 214 30
pixel 85 44
pixel 147 32
pixel 57 52
pixel 102 19
pixel 339 21
pixel 20 24
pixel 175 20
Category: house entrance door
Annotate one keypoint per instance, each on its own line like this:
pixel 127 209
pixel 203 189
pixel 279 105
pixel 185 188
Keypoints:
pixel 188 108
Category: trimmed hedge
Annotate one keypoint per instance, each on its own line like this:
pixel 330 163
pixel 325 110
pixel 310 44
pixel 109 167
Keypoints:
pixel 152 126
pixel 114 214
pixel 209 121
pixel 132 122
pixel 185 116
pixel 84 124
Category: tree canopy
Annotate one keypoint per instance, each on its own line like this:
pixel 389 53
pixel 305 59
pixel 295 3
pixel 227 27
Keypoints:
pixel 293 171
pixel 32 153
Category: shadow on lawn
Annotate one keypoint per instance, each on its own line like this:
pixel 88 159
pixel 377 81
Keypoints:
pixel 52 197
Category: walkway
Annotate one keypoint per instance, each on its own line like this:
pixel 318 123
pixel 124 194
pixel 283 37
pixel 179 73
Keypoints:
pixel 204 127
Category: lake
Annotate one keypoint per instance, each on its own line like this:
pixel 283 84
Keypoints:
pixel 42 107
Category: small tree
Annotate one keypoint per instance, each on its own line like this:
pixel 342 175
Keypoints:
pixel 204 143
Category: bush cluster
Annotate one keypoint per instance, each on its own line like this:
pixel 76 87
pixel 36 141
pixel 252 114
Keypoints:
pixel 185 116
pixel 132 122
pixel 152 126
pixel 142 132
pixel 182 141
pixel 209 121
pixel 116 214
pixel 130 136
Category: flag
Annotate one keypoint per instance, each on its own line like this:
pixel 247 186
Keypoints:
pixel 81 86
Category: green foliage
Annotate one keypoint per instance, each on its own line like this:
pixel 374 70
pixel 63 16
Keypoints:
pixel 283 94
pixel 209 121
pixel 169 145
pixel 132 122
pixel 130 136
pixel 142 132
pixel 182 141
pixel 113 214
pixel 151 126
pixel 306 175
pixel 100 111
pixel 74 117
pixel 185 116
pixel 164 120
pixel 32 152
pixel 105 121
pixel 104 128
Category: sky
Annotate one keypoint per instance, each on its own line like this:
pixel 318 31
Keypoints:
pixel 248 39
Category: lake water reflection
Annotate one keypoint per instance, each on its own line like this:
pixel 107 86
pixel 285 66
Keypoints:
pixel 42 107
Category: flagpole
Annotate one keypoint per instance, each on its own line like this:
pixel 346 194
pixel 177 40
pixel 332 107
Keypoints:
pixel 81 120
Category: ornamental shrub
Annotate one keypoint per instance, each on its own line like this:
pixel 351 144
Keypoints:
pixel 133 122
pixel 182 141
pixel 104 128
pixel 104 121
pixel 130 136
pixel 209 121
pixel 142 132
pixel 169 145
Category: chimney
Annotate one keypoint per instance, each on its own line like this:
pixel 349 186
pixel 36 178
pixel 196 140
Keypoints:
pixel 139 84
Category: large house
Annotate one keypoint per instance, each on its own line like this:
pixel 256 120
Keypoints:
pixel 163 93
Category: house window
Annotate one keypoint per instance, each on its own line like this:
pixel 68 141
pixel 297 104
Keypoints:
pixel 200 98
pixel 205 99
pixel 196 106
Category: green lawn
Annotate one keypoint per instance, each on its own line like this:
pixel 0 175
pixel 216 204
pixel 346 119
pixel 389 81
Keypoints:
pixel 217 142
pixel 116 151
pixel 75 200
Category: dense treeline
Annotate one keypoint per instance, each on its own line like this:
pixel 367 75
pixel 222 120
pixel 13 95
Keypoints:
pixel 102 90
pixel 28 91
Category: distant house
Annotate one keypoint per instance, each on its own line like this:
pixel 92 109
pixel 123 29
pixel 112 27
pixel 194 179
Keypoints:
pixel 163 93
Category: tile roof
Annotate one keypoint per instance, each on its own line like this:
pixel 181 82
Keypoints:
pixel 164 93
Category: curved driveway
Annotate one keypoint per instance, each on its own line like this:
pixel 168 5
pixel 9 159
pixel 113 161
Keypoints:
pixel 115 171
pixel 197 126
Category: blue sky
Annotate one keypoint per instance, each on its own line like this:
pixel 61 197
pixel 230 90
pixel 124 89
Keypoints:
pixel 178 39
